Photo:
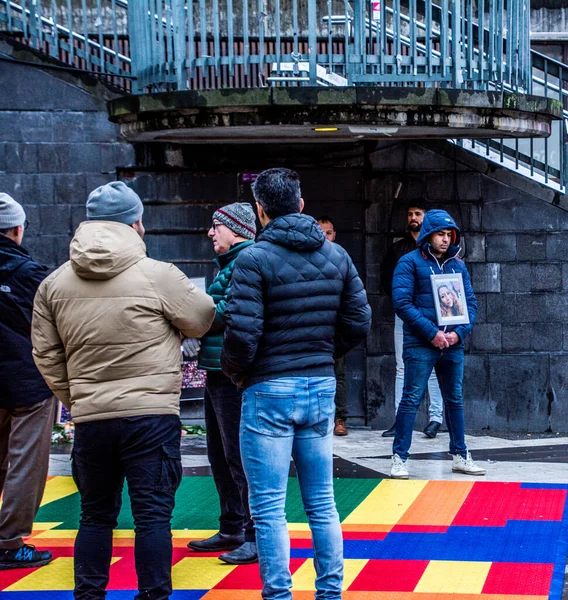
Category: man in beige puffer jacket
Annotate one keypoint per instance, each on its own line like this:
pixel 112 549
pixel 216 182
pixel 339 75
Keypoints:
pixel 106 338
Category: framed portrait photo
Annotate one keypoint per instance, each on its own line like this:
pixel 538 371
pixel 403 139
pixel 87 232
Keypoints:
pixel 449 299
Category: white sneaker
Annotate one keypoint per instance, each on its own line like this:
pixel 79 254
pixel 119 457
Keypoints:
pixel 466 465
pixel 398 468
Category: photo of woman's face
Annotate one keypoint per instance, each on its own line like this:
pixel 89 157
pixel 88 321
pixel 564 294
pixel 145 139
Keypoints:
pixel 446 298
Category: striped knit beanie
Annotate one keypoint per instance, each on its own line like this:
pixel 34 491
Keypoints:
pixel 238 217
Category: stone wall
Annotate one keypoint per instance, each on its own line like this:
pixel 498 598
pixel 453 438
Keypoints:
pixel 515 249
pixel 56 145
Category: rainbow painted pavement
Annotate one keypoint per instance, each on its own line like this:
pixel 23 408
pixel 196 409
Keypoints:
pixel 404 540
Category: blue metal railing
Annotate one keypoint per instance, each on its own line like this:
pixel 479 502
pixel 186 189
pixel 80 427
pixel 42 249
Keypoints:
pixel 367 42
pixel 91 38
pixel 183 44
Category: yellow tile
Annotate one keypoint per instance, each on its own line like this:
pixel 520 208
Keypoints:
pixel 453 577
pixel 199 573
pixel 299 527
pixel 191 534
pixel 304 578
pixel 57 575
pixel 57 488
pixel 56 534
pixel 387 503
pixel 351 569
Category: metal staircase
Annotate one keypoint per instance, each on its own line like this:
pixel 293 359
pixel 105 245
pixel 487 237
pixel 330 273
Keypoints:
pixel 161 45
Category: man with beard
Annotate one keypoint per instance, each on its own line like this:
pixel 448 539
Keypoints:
pixel 415 215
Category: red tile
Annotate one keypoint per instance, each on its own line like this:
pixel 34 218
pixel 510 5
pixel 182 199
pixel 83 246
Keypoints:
pixel 528 579
pixel 389 575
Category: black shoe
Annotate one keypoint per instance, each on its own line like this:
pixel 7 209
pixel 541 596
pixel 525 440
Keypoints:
pixel 219 541
pixel 432 429
pixel 24 557
pixel 389 432
pixel 243 555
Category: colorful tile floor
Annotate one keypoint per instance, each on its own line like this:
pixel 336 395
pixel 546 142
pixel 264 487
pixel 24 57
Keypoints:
pixel 404 540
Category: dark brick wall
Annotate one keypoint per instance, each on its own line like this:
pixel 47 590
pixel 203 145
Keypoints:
pixel 515 249
pixel 56 145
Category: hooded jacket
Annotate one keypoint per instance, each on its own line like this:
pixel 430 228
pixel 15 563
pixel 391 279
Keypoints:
pixel 211 344
pixel 296 302
pixel 412 295
pixel 106 326
pixel 20 382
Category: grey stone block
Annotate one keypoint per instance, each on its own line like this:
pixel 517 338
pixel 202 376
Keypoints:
pixel 557 406
pixel 476 391
pixel 54 158
pixel 388 158
pixel 70 188
pixel 486 277
pixel 486 338
pixel 516 337
pixel 378 219
pixel 20 158
pixel 475 244
pixel 501 247
pixel 49 250
pixel 95 180
pixel 10 126
pixel 542 307
pixel 55 219
pixel 481 308
pixel 516 277
pixel 69 126
pixel 565 276
pixel 557 246
pixel 32 216
pixel 381 306
pixel 471 215
pixel 531 247
pixel 165 218
pixel 78 215
pixel 97 127
pixel 34 189
pixel 546 277
pixel 116 155
pixel 546 337
pixel 179 248
pixel 501 308
pixel 506 209
pixel 381 338
pixel 519 386
pixel 36 126
pixel 85 158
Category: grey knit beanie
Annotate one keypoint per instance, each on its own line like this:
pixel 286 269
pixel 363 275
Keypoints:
pixel 11 212
pixel 238 217
pixel 114 201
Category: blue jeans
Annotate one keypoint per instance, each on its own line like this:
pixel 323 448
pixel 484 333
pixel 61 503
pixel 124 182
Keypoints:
pixel 292 416
pixel 146 451
pixel 436 401
pixel 418 364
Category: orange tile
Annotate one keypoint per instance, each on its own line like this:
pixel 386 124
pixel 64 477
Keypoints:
pixel 446 496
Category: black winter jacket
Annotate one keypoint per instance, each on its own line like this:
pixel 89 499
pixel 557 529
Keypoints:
pixel 296 303
pixel 20 382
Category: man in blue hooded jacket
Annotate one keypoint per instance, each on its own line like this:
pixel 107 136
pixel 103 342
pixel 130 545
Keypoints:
pixel 427 345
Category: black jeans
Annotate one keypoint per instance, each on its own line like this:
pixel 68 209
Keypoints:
pixel 146 451
pixel 340 395
pixel 223 417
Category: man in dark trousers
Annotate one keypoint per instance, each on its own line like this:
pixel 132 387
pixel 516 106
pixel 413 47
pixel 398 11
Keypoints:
pixel 26 403
pixel 415 216
pixel 296 303
pixel 106 337
pixel 340 428
pixel 233 229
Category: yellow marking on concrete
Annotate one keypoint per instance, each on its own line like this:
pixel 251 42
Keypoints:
pixel 304 578
pixel 453 577
pixel 57 488
pixel 386 504
pixel 199 573
pixel 351 570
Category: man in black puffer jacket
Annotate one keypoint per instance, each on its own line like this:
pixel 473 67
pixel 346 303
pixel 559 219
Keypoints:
pixel 26 403
pixel 296 303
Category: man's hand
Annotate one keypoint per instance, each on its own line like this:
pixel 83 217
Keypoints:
pixel 190 347
pixel 440 341
pixel 452 337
